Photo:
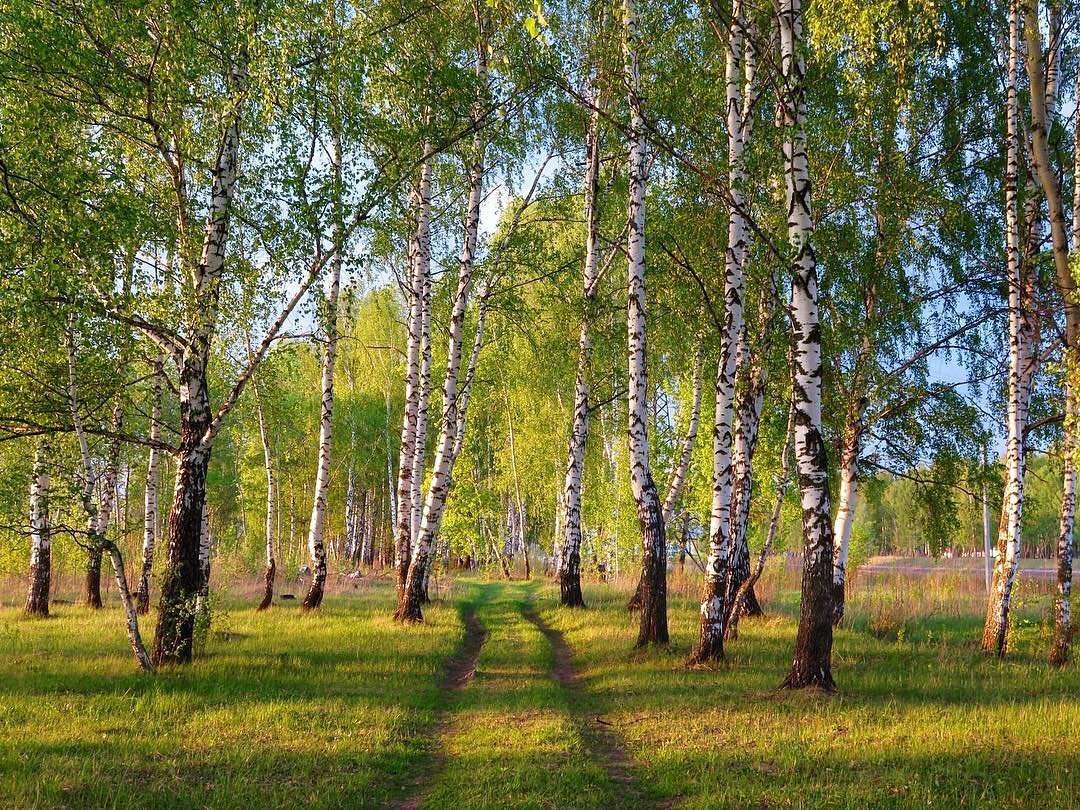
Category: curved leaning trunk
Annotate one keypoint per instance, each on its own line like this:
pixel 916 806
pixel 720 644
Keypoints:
pixel 37 597
pixel 812 662
pixel 150 499
pixel 131 615
pixel 1043 74
pixel 568 558
pixel 452 422
pixel 715 598
pixel 317 526
pixel 654 627
pixel 845 515
pixel 1062 635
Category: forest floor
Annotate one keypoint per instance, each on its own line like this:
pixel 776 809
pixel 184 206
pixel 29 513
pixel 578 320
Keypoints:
pixel 503 700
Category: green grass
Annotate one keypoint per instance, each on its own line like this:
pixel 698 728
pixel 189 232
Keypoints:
pixel 514 740
pixel 345 709
pixel 929 722
pixel 283 709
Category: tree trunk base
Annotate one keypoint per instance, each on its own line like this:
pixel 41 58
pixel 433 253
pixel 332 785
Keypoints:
pixel 634 603
pixel 313 600
pixel 93 579
pixel 268 586
pixel 709 652
pixel 750 604
pixel 838 603
pixel 1059 648
pixel 570 591
pixel 409 612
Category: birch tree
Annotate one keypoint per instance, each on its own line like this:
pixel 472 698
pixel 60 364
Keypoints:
pixel 714 600
pixel 995 630
pixel 316 529
pixel 37 597
pixel 654 626
pixel 569 571
pixel 1042 77
pixel 409 607
pixel 812 664
pixel 270 572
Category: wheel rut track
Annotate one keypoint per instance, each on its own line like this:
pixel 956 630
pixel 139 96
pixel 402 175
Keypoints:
pixel 458 670
pixel 603 743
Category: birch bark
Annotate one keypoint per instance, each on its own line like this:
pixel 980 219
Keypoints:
pixel 568 557
pixel 409 607
pixel 1042 74
pixel 714 600
pixel 654 626
pixel 150 496
pixel 421 203
pixel 812 664
pixel 37 597
pixel 995 630
pixel 317 526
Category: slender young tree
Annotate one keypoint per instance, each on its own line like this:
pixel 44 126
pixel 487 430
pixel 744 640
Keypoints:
pixel 714 600
pixel 37 597
pixel 409 607
pixel 995 630
pixel 1042 76
pixel 317 527
pixel 150 496
pixel 569 556
pixel 812 663
pixel 654 625
pixel 271 499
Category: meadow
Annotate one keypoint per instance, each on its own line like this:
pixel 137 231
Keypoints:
pixel 504 700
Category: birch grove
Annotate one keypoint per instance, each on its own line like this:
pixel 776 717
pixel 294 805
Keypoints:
pixel 348 272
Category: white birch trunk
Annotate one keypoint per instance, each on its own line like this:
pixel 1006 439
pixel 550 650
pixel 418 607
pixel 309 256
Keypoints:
pixel 714 601
pixel 568 546
pixel 811 665
pixel 180 583
pixel 271 499
pixel 995 631
pixel 150 496
pixel 653 629
pixel 421 202
pixel 409 608
pixel 37 597
pixel 317 525
pixel 845 511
